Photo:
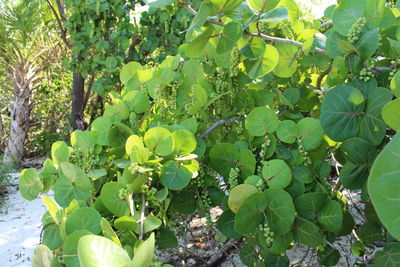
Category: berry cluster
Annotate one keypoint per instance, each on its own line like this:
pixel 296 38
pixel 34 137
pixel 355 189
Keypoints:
pixel 268 234
pixel 303 152
pixel 133 121
pixel 264 146
pixel 394 64
pixel 260 185
pixel 148 191
pixel 234 69
pixel 123 193
pixel 206 202
pixel 366 73
pixel 233 177
pixel 356 29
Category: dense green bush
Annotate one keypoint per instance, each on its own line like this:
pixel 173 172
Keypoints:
pixel 260 98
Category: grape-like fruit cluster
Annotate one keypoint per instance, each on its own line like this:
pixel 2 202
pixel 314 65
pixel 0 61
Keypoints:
pixel 206 202
pixel 268 234
pixel 366 73
pixel 356 29
pixel 133 121
pixel 234 69
pixel 260 185
pixel 148 191
pixel 394 64
pixel 173 95
pixel 233 177
pixel 123 193
pixel 304 153
pixel 264 146
pixel 239 128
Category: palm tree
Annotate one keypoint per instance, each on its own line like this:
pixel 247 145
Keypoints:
pixel 24 53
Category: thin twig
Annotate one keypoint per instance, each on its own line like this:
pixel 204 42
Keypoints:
pixel 220 122
pixel 344 254
pixel 329 23
pixel 142 218
pixel 213 261
pixel 62 30
pixel 322 75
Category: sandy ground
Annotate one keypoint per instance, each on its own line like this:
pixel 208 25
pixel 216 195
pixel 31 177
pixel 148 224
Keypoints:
pixel 20 227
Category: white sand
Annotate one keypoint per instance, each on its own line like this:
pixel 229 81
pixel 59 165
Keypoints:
pixel 20 227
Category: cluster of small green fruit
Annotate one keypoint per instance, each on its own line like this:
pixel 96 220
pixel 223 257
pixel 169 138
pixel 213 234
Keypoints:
pixel 264 146
pixel 260 185
pixel 206 202
pixel 233 177
pixel 356 29
pixel 303 152
pixel 148 191
pixel 366 73
pixel 394 64
pixel 133 121
pixel 268 234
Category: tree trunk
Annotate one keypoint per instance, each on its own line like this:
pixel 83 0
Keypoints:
pixel 19 126
pixel 78 88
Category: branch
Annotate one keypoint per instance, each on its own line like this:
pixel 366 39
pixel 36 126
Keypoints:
pixel 320 77
pixel 89 89
pixel 217 257
pixel 62 30
pixel 329 23
pixel 61 10
pixel 142 218
pixel 344 254
pixel 220 122
pixel 259 35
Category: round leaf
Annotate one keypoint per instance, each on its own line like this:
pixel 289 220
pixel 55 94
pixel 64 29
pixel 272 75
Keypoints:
pixel 159 140
pixel 277 173
pixel 260 121
pixel 175 177
pixel 239 194
pixel 280 210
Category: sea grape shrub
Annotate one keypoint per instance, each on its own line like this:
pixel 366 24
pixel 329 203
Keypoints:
pixel 246 124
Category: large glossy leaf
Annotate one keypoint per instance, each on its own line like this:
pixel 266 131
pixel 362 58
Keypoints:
pixel 254 49
pixel 307 233
pixel 226 224
pixel 263 5
pixel 374 12
pixel 368 43
pixel 287 64
pixel 331 216
pixel 389 256
pixel 239 194
pixel 287 131
pixel 260 121
pixel 30 184
pixel 70 251
pixel 184 202
pixel 280 210
pixel 100 129
pixel 250 213
pixel 391 114
pixel 185 142
pixel 383 185
pixel 175 177
pixel 196 47
pixel 263 65
pixel 224 157
pixel 110 198
pixel 76 176
pixel 42 256
pixel 137 101
pixel 346 13
pixel 231 33
pixel 160 141
pixel 310 133
pixel 96 251
pixel 128 71
pixel 59 152
pixel 277 173
pixel 341 112
pixel 144 253
pixel 83 219
pixel 308 205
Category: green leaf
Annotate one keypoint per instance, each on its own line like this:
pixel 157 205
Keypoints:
pixel 108 231
pixel 395 84
pixel 280 210
pixel 341 112
pixel 137 101
pixel 144 253
pixel 334 44
pixel 263 5
pixel 239 194
pixel 247 163
pixel 166 239
pixel 383 184
pixel 59 152
pixel 30 184
pixel 185 142
pixel 151 223
pixel 308 205
pixel 254 49
pixel 96 251
pixel 277 14
pixel 76 176
pixel 224 157
pixel 157 3
pixel 310 133
pixel 126 223
pixel 42 256
pixel 391 114
pixel 389 256
pixel 128 71
pixel 226 224
pixel 198 21
pixel 200 98
pixel 174 177
pixel 118 111
pixel 250 213
pixel 196 47
pixel 260 121
pixel 287 131
pixel 331 216
pixel 134 147
pixel 100 129
pixel 160 141
pixel 287 64
pixel 373 128
pixel 52 236
pixel 307 233
pixel 368 43
pixel 231 33
pixel 52 208
pixel 374 12
pixel 184 202
pixel 70 250
pixel 263 65
pixel 83 219
pixel 65 191
pixel 346 14
pixel 110 197
pixel 222 6
pixel 277 173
